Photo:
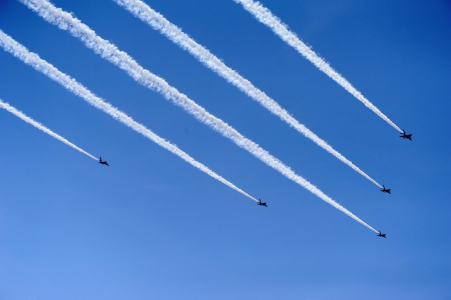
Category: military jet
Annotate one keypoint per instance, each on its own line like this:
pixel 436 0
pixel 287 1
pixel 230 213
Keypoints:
pixel 384 190
pixel 405 136
pixel 261 203
pixel 103 162
pixel 382 234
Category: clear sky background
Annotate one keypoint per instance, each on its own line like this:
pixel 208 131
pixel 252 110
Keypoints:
pixel 151 226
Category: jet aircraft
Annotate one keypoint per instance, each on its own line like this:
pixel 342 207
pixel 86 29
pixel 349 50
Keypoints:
pixel 405 136
pixel 261 203
pixel 384 190
pixel 382 234
pixel 103 162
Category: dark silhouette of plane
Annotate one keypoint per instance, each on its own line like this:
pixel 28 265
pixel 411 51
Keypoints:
pixel 382 234
pixel 405 136
pixel 103 162
pixel 261 203
pixel 384 190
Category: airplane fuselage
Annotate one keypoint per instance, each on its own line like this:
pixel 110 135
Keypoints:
pixel 384 190
pixel 406 136
pixel 382 234
pixel 103 162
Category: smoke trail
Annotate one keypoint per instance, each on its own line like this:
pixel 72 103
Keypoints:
pixel 110 52
pixel 39 126
pixel 142 11
pixel 265 16
pixel 72 85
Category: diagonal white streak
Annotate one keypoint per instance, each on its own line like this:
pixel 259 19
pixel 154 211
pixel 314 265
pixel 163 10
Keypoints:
pixel 142 11
pixel 39 126
pixel 121 59
pixel 265 16
pixel 72 85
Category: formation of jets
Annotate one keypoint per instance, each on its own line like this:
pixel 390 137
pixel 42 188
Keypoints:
pixel 404 135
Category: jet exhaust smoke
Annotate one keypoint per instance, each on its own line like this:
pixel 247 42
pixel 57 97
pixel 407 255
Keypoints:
pixel 39 126
pixel 111 53
pixel 72 85
pixel 265 16
pixel 142 11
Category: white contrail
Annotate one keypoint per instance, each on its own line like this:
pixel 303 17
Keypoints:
pixel 110 52
pixel 72 85
pixel 265 16
pixel 142 11
pixel 39 126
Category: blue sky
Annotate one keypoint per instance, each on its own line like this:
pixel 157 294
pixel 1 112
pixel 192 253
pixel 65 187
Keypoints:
pixel 152 226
